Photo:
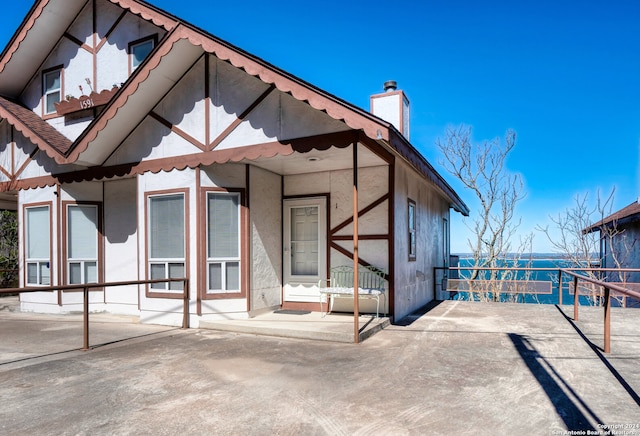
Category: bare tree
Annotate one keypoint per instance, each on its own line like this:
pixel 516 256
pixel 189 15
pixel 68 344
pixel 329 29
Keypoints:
pixel 579 241
pixel 481 167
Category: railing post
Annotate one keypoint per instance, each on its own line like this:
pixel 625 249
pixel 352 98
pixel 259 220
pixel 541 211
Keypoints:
pixel 85 316
pixel 576 300
pixel 185 304
pixel 607 320
pixel 560 287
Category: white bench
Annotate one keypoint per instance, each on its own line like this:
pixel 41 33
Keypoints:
pixel 371 285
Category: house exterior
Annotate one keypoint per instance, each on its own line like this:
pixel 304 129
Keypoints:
pixel 619 246
pixel 139 147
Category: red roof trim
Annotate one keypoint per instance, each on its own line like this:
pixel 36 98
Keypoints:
pixel 253 152
pixel 38 131
pixel 100 123
pixel 355 118
pixel 148 12
pixel 373 127
pixel 29 22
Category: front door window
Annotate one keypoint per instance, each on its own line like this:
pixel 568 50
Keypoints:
pixel 305 247
pixel 304 241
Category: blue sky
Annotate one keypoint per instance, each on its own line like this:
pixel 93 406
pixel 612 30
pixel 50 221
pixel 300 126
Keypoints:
pixel 563 74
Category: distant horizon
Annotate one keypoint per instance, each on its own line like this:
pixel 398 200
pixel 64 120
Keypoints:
pixel 524 256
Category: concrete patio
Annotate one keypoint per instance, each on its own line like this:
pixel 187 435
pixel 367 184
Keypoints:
pixel 456 368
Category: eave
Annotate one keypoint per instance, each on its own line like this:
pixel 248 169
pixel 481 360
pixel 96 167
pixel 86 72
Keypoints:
pixel 38 131
pixel 41 31
pixel 628 214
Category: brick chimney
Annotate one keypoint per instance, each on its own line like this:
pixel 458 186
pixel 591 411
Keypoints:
pixel 392 106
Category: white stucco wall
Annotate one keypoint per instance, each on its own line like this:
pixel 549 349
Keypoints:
pixel 414 281
pixel 111 64
pixel 266 239
pixel 184 106
pixel 121 244
pixel 14 156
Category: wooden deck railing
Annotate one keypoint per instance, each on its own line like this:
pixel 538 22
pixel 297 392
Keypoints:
pixel 86 287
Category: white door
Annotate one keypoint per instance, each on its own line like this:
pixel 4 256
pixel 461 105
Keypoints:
pixel 305 248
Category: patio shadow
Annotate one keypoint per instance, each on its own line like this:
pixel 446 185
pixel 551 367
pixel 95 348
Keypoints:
pixel 569 407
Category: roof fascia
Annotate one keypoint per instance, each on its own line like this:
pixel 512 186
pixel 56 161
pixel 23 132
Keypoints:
pixel 617 218
pixel 81 144
pixel 149 13
pixel 28 132
pixel 419 163
pixel 38 34
pixel 338 109
pixel 355 118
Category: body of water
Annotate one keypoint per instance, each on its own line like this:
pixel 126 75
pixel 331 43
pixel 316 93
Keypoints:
pixel 546 269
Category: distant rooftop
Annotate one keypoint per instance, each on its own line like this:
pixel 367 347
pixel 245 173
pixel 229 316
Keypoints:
pixel 627 214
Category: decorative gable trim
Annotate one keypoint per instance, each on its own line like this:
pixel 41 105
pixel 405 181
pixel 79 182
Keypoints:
pixel 38 131
pixel 33 16
pixel 149 13
pixel 336 108
pixel 235 155
pixel 355 118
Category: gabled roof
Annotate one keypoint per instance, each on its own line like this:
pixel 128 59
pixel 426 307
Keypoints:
pixel 628 214
pixel 42 29
pixel 173 56
pixel 41 133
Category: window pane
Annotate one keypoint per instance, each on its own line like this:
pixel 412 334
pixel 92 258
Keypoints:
pixel 45 274
pixel 412 222
pixel 52 81
pixel 176 271
pixel 215 277
pixel 52 90
pixel 32 274
pixel 52 98
pixel 90 272
pixel 75 273
pixel 166 227
pixel 223 231
pixel 38 233
pixel 412 243
pixel 139 52
pixel 82 225
pixel 304 241
pixel 158 272
pixel 233 276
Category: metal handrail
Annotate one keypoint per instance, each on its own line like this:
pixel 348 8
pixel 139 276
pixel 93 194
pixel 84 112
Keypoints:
pixel 608 287
pixel 87 286
pixel 575 273
pixel 560 272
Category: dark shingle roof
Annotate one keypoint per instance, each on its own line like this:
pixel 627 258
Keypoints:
pixel 32 126
pixel 626 214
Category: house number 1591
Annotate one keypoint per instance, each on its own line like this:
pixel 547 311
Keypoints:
pixel 86 104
